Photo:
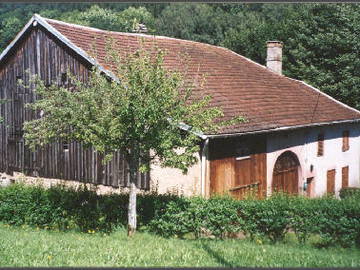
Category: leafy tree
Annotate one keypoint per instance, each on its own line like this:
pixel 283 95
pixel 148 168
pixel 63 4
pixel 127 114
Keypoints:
pixel 8 29
pixel 199 22
pixel 321 43
pixel 140 116
pixel 124 21
pixel 323 49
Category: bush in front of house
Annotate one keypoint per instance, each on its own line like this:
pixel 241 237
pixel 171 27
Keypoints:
pixel 216 216
pixel 61 207
pixel 337 222
pixel 268 218
pixel 349 192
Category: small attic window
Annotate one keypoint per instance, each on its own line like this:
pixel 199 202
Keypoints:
pixel 320 151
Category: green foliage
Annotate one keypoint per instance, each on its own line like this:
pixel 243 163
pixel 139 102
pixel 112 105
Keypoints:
pixel 349 192
pixel 335 222
pixel 199 22
pixel 65 208
pixel 303 218
pixel 123 21
pixel 338 222
pixel 268 218
pixel 216 216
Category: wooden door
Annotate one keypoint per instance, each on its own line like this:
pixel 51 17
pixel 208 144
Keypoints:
pixel 330 187
pixel 243 177
pixel 285 175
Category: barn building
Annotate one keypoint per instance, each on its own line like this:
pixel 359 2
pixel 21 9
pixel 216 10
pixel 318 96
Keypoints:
pixel 296 138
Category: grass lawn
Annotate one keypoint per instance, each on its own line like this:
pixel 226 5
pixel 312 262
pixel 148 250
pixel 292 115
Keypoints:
pixel 25 246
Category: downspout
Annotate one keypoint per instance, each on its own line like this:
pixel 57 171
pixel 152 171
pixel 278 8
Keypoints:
pixel 204 154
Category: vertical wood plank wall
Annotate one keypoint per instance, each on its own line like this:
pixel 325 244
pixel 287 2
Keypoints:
pixel 225 169
pixel 42 54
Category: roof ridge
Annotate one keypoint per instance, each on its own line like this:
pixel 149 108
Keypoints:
pixel 163 37
pixel 131 34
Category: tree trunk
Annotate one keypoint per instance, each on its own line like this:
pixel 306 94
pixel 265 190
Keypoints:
pixel 132 210
pixel 132 200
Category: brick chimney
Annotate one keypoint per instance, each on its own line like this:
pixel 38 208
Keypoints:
pixel 274 56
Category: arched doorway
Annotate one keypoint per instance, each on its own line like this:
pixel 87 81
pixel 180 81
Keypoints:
pixel 285 175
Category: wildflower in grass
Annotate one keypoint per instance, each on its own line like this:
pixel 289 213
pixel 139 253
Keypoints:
pixel 49 257
pixel 258 241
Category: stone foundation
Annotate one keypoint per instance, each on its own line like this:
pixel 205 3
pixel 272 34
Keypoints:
pixel 6 179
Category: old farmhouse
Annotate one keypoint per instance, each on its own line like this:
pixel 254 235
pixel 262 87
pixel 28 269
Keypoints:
pixel 296 139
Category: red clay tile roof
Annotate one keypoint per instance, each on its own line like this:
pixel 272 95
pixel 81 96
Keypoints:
pixel 238 85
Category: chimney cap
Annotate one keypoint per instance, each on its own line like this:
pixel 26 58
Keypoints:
pixel 274 43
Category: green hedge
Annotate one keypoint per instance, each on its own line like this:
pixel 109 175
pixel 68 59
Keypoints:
pixel 336 222
pixel 350 192
pixel 67 208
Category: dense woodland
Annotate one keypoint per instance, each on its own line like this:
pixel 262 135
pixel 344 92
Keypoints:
pixel 321 41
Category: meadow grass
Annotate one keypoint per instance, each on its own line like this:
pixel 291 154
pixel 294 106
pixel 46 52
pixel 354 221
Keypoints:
pixel 26 246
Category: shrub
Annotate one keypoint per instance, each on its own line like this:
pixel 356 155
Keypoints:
pixel 269 218
pixel 337 222
pixel 303 217
pixel 216 216
pixel 63 208
pixel 349 192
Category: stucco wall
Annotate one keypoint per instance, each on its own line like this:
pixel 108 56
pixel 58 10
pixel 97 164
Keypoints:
pixel 170 180
pixel 303 143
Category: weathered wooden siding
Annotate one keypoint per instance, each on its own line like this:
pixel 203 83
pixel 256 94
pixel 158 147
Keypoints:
pixel 238 166
pixel 42 54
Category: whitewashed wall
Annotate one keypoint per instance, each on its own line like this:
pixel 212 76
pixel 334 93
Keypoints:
pixel 170 180
pixel 303 143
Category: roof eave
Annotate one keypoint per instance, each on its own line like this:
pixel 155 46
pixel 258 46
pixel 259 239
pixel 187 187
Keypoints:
pixel 286 128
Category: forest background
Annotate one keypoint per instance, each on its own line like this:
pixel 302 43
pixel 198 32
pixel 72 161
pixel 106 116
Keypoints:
pixel 321 41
